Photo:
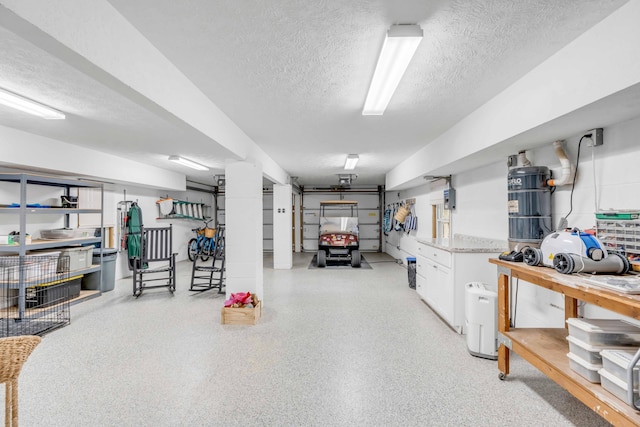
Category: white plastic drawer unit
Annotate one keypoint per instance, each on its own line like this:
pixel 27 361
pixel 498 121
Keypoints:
pixel 437 255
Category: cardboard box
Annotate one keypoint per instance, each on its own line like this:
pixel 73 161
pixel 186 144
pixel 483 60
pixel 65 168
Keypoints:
pixel 241 316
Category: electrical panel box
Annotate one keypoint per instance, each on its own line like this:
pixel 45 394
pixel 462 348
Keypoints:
pixel 450 198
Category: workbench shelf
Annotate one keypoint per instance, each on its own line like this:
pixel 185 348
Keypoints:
pixel 547 348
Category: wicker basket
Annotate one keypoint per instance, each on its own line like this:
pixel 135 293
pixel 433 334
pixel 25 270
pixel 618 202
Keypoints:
pixel 209 233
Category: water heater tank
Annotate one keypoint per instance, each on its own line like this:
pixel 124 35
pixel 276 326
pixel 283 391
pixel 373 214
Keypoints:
pixel 529 206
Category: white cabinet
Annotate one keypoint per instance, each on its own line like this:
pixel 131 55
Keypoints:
pixel 442 275
pixel 421 277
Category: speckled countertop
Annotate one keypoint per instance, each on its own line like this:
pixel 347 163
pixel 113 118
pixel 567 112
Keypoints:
pixel 464 243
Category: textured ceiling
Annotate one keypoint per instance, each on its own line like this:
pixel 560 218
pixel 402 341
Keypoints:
pixel 293 75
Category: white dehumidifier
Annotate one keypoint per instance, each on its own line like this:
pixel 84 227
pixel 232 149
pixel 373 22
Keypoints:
pixel 481 309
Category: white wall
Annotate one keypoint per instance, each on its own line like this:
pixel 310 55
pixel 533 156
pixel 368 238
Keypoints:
pixel 400 244
pixel 560 94
pixel 482 206
pixel 29 151
pixel 146 199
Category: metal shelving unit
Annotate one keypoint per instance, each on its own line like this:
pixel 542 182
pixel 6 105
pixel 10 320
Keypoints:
pixel 24 212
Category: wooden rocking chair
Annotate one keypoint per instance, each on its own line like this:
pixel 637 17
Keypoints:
pixel 156 257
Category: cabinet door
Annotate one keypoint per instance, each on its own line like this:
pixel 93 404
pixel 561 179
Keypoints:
pixel 439 293
pixel 431 284
pixel 421 286
pixel 446 293
pixel 420 275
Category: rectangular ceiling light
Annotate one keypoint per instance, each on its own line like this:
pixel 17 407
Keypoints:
pixel 351 162
pixel 28 106
pixel 398 49
pixel 188 163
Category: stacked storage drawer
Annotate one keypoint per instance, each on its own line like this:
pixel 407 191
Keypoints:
pixel 619 230
pixel 589 337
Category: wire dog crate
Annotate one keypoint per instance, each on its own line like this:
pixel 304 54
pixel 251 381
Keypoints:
pixel 34 294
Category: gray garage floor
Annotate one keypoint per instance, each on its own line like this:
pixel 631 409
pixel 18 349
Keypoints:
pixel 334 348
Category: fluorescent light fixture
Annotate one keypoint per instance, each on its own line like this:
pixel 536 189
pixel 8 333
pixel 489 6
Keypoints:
pixel 350 163
pixel 189 163
pixel 398 49
pixel 28 106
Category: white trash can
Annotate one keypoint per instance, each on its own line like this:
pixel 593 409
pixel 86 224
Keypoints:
pixel 481 320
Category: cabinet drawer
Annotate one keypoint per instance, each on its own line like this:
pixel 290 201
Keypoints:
pixel 435 254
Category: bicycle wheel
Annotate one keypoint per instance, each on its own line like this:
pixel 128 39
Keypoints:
pixel 193 249
pixel 205 250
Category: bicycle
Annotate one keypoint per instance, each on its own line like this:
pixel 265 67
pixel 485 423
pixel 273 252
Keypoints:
pixel 204 244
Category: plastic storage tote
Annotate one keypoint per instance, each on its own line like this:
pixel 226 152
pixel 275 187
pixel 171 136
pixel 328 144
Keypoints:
pixel 590 353
pixel 616 363
pixel 612 332
pixel 616 386
pixel 586 370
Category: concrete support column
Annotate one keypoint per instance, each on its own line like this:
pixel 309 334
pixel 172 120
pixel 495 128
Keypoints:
pixel 282 227
pixel 243 234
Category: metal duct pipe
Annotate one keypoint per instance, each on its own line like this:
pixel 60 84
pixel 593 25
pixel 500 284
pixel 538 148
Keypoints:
pixel 522 159
pixel 567 168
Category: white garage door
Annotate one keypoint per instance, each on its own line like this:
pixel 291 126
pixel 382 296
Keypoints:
pixel 267 221
pixel 267 218
pixel 368 218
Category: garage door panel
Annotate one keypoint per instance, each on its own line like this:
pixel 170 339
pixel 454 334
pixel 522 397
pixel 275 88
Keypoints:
pixel 267 216
pixel 372 245
pixel 267 201
pixel 310 245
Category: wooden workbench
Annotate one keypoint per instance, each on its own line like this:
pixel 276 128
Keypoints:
pixel 547 348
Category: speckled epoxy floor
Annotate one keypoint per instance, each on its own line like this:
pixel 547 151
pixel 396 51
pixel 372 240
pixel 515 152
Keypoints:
pixel 334 348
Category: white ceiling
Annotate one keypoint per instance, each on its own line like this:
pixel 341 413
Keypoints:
pixel 293 76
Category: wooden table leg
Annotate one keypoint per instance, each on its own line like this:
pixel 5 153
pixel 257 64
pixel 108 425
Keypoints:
pixel 570 309
pixel 503 322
